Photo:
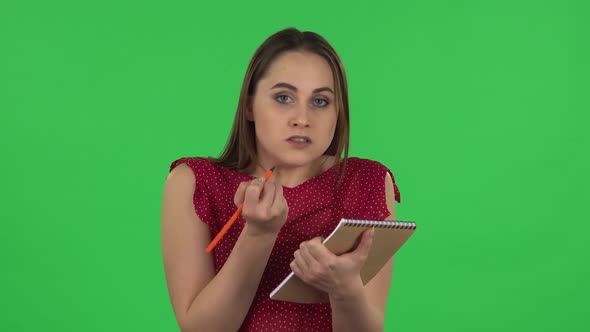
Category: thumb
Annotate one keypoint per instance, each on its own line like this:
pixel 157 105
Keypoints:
pixel 363 248
pixel 240 193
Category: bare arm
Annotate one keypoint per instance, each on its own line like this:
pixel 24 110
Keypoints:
pixel 203 301
pixel 363 309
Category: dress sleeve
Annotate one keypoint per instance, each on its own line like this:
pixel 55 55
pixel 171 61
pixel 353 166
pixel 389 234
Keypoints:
pixel 201 199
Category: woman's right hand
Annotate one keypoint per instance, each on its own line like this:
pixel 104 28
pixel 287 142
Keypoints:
pixel 265 208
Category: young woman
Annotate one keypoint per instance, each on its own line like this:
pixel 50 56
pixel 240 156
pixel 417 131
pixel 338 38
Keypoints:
pixel 292 114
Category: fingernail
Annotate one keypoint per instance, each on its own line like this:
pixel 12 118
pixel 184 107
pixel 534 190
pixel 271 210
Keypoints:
pixel 372 231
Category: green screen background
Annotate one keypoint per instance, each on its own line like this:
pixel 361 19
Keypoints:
pixel 480 109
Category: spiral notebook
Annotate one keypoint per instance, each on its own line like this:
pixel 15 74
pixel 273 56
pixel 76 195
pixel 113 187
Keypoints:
pixel 389 237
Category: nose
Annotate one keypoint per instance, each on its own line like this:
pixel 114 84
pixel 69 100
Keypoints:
pixel 300 118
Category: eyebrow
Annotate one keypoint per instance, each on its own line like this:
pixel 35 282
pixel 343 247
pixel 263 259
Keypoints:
pixel 291 87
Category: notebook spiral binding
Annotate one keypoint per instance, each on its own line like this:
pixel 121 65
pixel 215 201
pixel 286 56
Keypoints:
pixel 381 224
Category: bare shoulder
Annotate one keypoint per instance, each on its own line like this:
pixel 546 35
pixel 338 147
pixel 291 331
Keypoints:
pixel 178 189
pixel 390 196
pixel 181 175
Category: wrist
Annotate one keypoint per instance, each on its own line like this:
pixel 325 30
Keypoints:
pixel 349 291
pixel 258 234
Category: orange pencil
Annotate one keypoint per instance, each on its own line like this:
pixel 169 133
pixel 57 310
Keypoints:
pixel 233 218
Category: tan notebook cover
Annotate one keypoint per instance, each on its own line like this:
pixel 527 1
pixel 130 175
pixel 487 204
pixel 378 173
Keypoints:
pixel 389 237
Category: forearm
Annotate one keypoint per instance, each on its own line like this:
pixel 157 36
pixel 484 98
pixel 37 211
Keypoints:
pixel 224 303
pixel 355 313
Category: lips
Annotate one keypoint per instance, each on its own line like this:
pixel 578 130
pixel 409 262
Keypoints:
pixel 299 139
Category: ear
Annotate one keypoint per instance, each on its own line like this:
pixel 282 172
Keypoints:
pixel 249 113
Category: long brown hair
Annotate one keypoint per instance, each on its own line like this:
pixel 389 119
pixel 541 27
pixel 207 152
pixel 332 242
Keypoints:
pixel 240 150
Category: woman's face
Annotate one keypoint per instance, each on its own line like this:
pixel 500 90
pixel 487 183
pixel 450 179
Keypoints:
pixel 294 110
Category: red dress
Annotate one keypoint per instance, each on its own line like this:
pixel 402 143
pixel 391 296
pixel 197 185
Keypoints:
pixel 315 207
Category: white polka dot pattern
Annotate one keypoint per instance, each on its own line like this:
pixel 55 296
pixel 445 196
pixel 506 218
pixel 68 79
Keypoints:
pixel 315 207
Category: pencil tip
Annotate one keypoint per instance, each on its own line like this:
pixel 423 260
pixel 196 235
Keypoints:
pixel 272 169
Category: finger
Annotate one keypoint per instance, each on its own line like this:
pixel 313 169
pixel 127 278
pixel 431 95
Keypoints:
pixel 305 255
pixel 297 270
pixel 279 202
pixel 240 193
pixel 268 195
pixel 300 260
pixel 252 196
pixel 318 251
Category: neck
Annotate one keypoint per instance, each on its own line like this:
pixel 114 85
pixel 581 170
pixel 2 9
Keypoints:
pixel 291 176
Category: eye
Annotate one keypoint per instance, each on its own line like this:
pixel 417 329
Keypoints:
pixel 283 99
pixel 321 102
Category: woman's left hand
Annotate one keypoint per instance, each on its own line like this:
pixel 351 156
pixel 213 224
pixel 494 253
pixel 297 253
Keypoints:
pixel 339 276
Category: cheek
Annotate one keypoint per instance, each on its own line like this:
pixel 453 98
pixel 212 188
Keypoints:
pixel 261 114
pixel 268 120
pixel 328 129
pixel 266 124
pixel 331 122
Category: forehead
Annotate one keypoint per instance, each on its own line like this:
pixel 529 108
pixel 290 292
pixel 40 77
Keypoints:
pixel 307 71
